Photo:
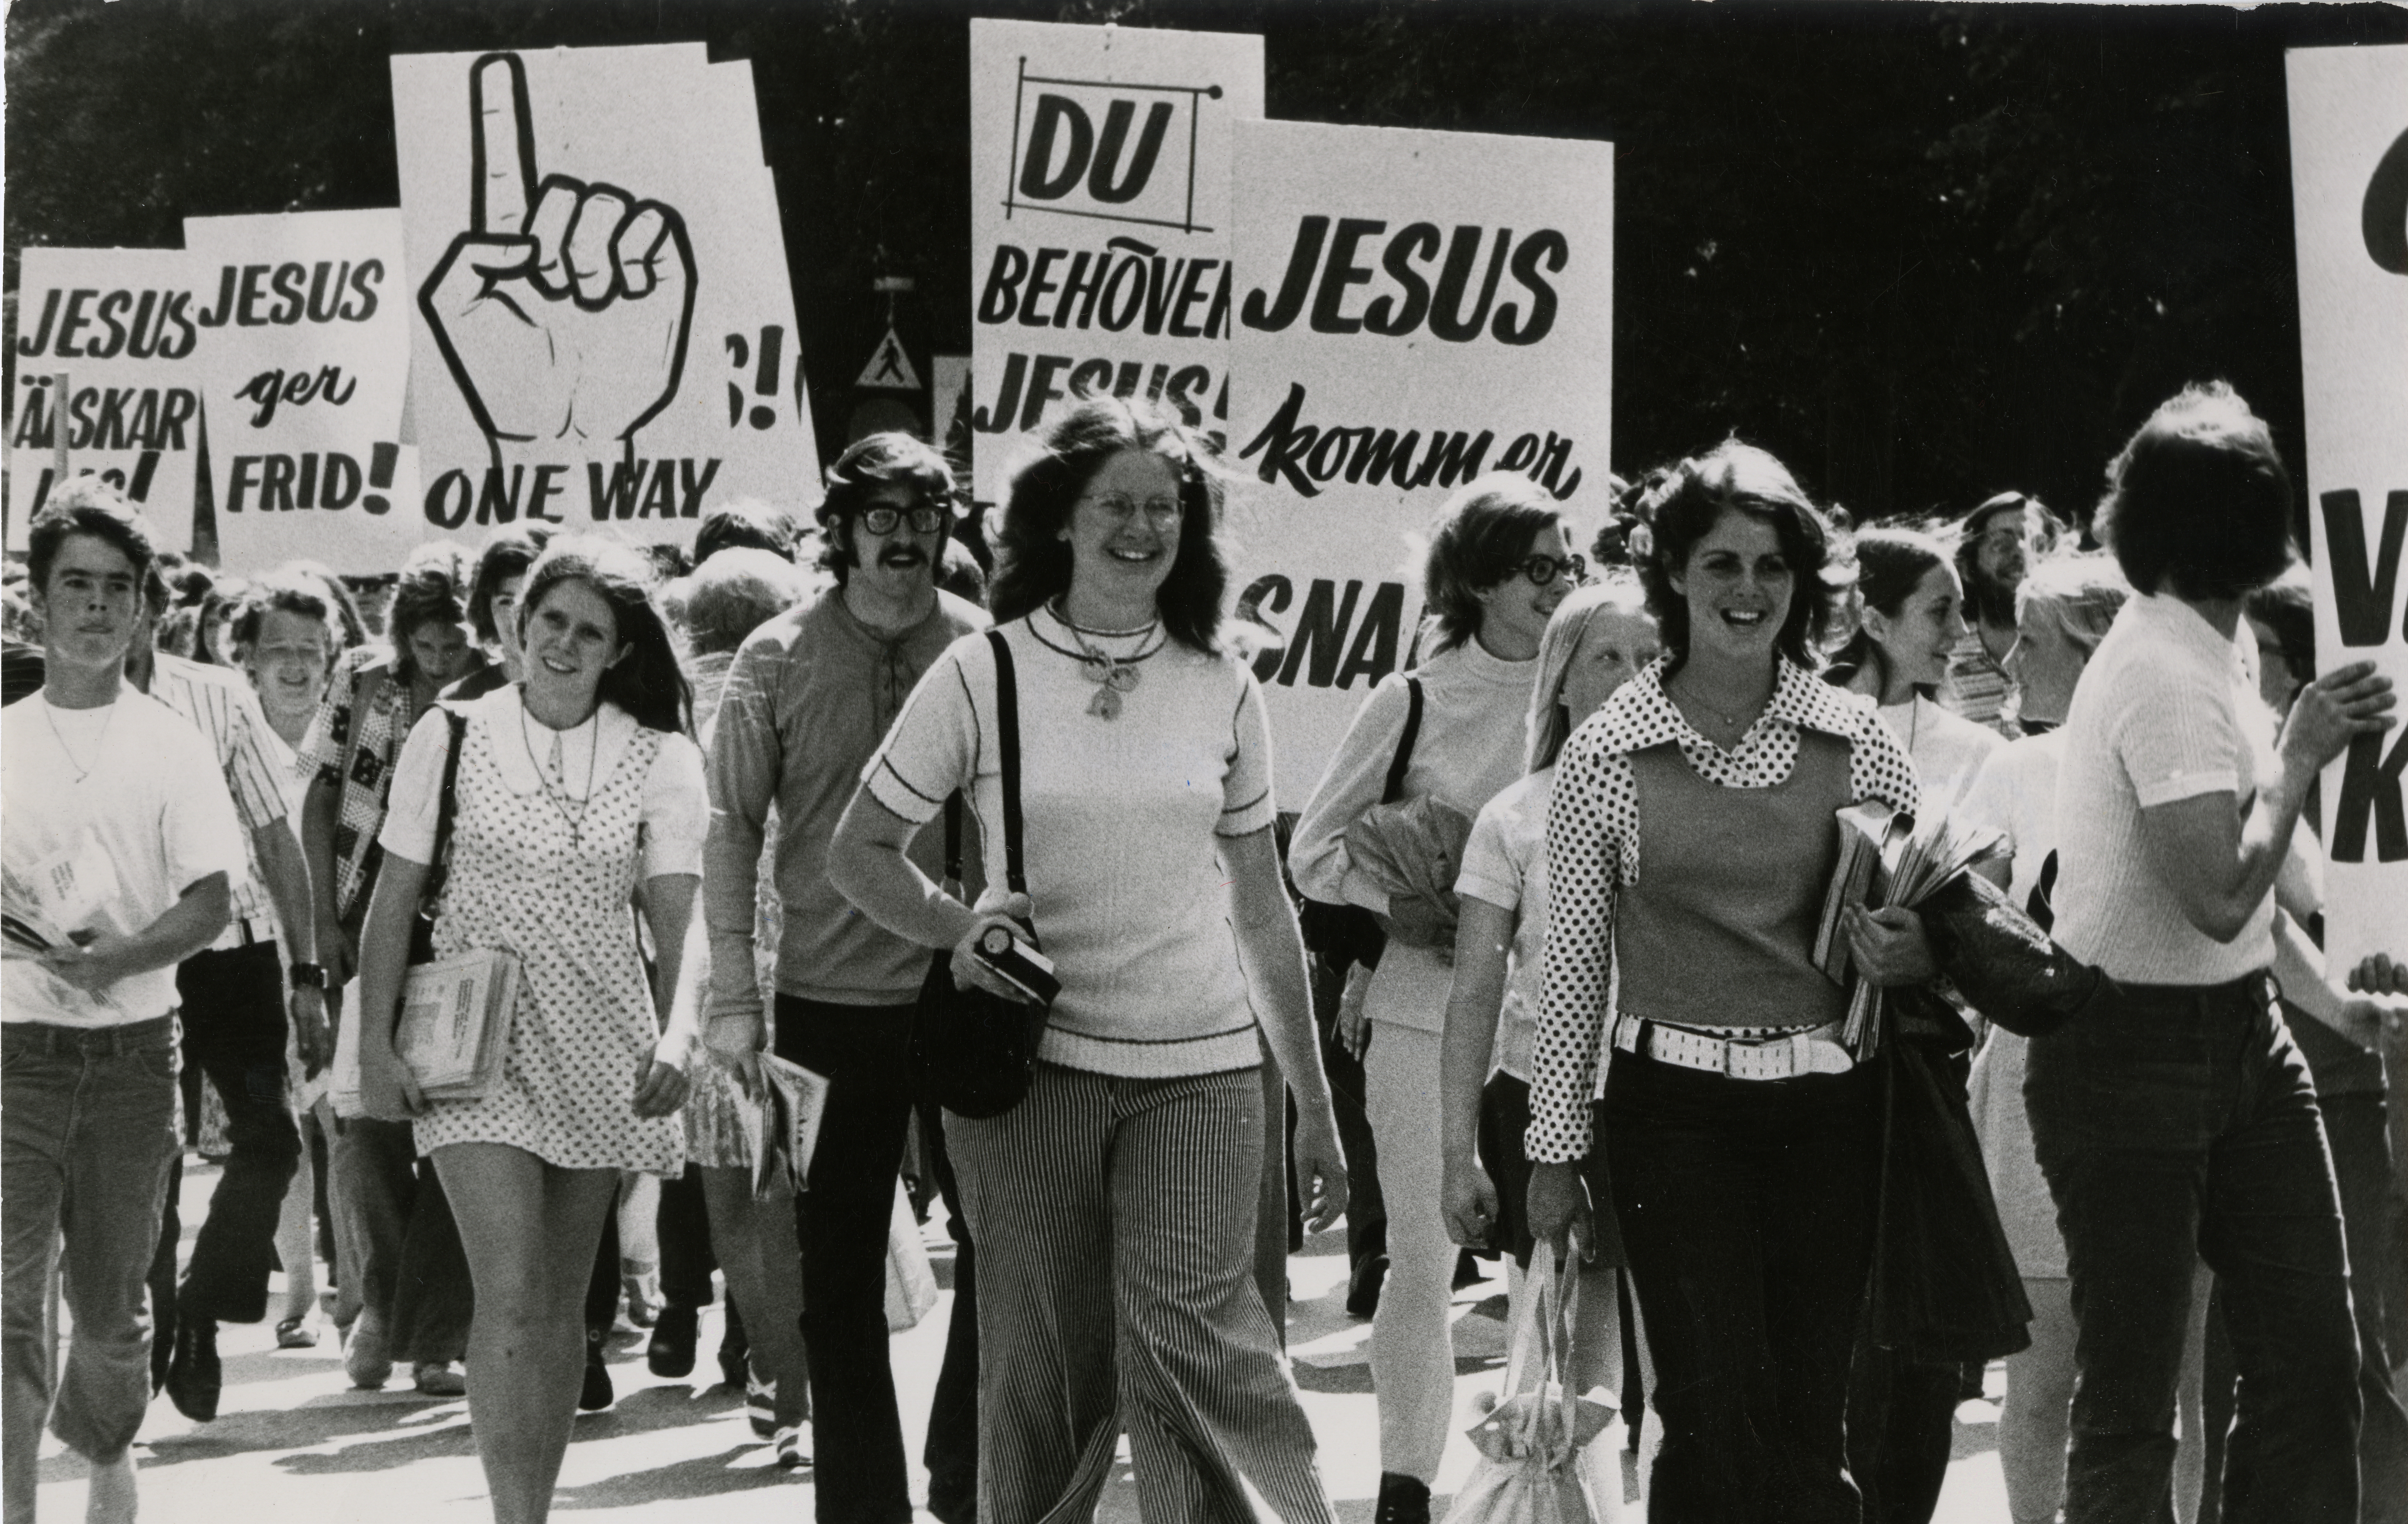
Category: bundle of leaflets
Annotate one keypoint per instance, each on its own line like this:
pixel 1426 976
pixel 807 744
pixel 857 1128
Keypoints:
pixel 1888 858
pixel 781 1127
pixel 455 1023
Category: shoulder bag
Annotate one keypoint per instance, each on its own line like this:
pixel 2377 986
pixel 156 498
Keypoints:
pixel 1346 934
pixel 973 1052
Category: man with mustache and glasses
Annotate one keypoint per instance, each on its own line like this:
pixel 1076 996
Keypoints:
pixel 807 699
pixel 1996 545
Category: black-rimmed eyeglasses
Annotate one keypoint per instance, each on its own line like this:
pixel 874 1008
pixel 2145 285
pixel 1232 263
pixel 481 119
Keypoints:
pixel 1542 570
pixel 883 520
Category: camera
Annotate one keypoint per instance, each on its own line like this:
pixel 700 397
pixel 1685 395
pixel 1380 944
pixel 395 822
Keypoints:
pixel 1019 965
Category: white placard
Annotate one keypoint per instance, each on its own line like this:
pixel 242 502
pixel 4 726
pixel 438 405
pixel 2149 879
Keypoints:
pixel 301 374
pixel 2349 187
pixel 1417 307
pixel 121 323
pixel 604 330
pixel 1100 222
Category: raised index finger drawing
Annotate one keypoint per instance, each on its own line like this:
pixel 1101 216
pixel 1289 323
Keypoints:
pixel 502 134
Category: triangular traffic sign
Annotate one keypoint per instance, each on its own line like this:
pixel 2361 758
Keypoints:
pixel 889 367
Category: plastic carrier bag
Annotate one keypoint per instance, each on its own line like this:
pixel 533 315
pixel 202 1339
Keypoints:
pixel 1539 1462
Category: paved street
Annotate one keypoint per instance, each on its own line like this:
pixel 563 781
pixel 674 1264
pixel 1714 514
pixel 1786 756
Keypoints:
pixel 295 1443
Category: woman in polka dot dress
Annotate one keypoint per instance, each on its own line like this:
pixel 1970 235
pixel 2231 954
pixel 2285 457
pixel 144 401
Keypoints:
pixel 577 792
pixel 1689 841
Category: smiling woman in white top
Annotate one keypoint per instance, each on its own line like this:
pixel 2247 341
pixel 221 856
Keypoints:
pixel 1113 1206
pixel 576 789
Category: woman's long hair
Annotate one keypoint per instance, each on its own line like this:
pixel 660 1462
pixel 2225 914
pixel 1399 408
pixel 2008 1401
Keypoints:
pixel 644 679
pixel 1032 560
pixel 1682 510
pixel 1483 536
pixel 433 586
pixel 1890 564
pixel 1550 724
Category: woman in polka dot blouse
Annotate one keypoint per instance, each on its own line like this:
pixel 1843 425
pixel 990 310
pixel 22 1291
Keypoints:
pixel 1742 1138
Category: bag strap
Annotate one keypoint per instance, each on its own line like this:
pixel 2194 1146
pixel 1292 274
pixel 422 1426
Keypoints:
pixel 1006 724
pixel 1404 757
pixel 438 868
pixel 954 841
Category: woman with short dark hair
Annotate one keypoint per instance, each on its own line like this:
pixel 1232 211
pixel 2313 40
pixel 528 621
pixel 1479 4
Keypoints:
pixel 2174 1121
pixel 1126 1178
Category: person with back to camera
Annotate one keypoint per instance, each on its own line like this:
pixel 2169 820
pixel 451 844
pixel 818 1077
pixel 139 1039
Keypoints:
pixel 574 787
pixel 1115 1206
pixel 1690 844
pixel 1496 568
pixel 2176 1120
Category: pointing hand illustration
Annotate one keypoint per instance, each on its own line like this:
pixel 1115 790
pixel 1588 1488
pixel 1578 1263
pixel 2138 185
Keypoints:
pixel 565 318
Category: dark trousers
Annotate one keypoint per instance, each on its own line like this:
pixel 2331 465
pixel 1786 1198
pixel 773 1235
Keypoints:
pixel 1366 1211
pixel 843 1215
pixel 234 1034
pixel 686 1256
pixel 1746 1212
pixel 2177 1123
pixel 1902 1426
pixel 951 1452
pixel 2354 1125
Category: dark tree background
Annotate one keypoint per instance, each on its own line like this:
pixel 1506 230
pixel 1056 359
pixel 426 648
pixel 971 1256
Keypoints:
pixel 1923 252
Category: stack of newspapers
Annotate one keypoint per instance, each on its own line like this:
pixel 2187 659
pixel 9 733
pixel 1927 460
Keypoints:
pixel 455 1023
pixel 1887 858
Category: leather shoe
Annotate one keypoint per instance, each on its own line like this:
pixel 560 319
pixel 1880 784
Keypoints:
pixel 1363 1286
pixel 670 1352
pixel 596 1393
pixel 1403 1500
pixel 195 1377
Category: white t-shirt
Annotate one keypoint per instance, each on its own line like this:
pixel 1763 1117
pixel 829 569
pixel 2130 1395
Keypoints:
pixel 1948 750
pixel 1505 864
pixel 1120 819
pixel 2168 709
pixel 2016 793
pixel 115 851
pixel 674 818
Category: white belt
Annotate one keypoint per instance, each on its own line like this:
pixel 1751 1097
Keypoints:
pixel 1815 1051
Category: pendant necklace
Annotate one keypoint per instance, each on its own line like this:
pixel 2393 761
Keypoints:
pixel 556 795
pixel 100 748
pixel 1112 674
pixel 1737 721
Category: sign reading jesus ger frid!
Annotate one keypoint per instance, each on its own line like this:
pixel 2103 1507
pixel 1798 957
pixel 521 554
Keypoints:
pixel 603 333
pixel 2349 187
pixel 1099 223
pixel 301 370
pixel 1415 308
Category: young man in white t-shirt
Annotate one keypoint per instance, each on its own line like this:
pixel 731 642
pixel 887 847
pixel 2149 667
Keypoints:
pixel 121 846
pixel 2176 1120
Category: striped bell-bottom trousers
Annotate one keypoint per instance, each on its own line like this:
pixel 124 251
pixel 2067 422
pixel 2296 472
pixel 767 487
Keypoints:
pixel 1115 1225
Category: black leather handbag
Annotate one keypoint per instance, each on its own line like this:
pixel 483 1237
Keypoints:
pixel 973 1052
pixel 439 866
pixel 1343 936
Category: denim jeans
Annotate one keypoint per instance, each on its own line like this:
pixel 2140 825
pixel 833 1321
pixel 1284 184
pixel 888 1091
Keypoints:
pixel 398 1246
pixel 950 1454
pixel 1746 1210
pixel 87 1131
pixel 2176 1123
pixel 843 1214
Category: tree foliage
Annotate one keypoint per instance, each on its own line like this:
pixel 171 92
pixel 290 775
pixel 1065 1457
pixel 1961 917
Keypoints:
pixel 1923 251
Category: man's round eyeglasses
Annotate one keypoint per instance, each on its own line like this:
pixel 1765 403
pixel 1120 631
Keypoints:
pixel 883 521
pixel 1542 570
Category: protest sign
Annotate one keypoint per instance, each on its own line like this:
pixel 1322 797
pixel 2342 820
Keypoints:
pixel 2349 189
pixel 603 328
pixel 303 366
pixel 1100 222
pixel 1416 309
pixel 123 324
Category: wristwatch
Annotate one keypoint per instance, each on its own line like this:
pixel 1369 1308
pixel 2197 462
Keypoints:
pixel 308 977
